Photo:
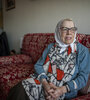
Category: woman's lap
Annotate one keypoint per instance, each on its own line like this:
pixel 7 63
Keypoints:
pixel 17 93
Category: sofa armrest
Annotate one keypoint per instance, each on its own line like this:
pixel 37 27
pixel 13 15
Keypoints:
pixel 15 59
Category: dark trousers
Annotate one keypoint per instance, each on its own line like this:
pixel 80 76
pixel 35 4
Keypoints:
pixel 17 93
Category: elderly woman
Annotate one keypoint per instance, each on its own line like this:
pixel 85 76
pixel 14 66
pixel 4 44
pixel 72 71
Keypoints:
pixel 62 70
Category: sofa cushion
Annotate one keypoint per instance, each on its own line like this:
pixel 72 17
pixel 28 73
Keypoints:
pixel 34 44
pixel 16 59
pixel 11 75
pixel 84 39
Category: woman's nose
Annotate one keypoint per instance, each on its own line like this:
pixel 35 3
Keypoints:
pixel 69 31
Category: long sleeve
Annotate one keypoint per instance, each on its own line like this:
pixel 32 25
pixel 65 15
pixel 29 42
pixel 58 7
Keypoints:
pixel 39 65
pixel 83 67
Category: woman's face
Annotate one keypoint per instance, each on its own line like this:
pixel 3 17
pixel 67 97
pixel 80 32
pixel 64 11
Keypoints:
pixel 67 32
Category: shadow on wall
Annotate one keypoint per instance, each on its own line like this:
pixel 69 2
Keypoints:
pixel 4 47
pixel 1 15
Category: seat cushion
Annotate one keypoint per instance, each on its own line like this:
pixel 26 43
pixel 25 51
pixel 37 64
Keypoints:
pixel 11 75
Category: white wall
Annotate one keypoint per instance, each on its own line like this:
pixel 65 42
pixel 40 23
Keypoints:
pixel 42 16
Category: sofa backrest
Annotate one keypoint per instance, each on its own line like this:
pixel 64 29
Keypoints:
pixel 34 43
pixel 84 39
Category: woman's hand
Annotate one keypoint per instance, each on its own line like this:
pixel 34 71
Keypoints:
pixel 58 91
pixel 52 92
pixel 47 88
pixel 45 85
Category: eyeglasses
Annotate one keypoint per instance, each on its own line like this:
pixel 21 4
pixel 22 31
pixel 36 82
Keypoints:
pixel 65 29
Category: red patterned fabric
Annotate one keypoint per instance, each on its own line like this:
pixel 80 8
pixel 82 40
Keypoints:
pixel 16 59
pixel 35 43
pixel 18 67
pixel 85 97
pixel 84 39
pixel 12 70
pixel 11 75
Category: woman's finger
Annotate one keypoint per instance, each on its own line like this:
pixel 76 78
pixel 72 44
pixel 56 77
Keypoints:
pixel 48 97
pixel 51 91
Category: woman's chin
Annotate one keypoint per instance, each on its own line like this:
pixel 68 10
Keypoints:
pixel 68 42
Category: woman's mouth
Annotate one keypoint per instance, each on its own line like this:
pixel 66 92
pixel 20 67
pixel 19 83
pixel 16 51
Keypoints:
pixel 68 38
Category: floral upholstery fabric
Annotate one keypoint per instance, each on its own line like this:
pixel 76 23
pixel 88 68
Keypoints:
pixel 16 59
pixel 12 70
pixel 34 44
pixel 84 39
pixel 10 75
pixel 84 97
pixel 15 68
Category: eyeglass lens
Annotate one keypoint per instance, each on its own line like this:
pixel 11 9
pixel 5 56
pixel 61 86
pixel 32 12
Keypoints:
pixel 73 29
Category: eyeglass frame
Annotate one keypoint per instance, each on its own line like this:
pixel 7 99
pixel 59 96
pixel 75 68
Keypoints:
pixel 67 29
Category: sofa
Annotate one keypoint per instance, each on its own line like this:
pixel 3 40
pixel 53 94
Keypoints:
pixel 15 68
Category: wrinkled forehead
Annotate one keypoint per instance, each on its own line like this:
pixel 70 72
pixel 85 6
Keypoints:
pixel 68 24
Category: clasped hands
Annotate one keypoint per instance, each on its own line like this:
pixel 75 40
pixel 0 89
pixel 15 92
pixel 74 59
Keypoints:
pixel 52 92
